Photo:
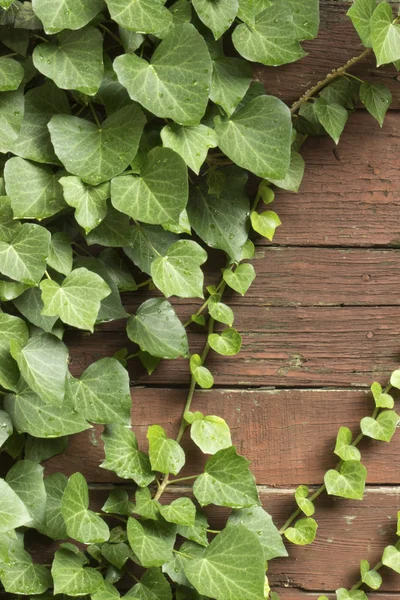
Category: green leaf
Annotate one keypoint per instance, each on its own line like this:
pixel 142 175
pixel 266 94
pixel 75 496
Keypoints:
pixel 39 450
pixel 227 481
pixel 306 18
pixel 166 455
pixel 145 506
pixel 395 379
pixel 57 15
pixel 118 503
pixel 361 13
pixel 191 143
pixel 151 541
pixel 144 241
pixel 294 176
pixel 217 16
pixel 201 374
pixel 210 433
pixel 82 524
pixel 376 99
pixel 258 136
pixel 230 81
pixel 385 35
pixel 26 18
pixel 343 449
pixel 144 16
pixel 60 253
pixel 159 194
pixel 116 554
pixel 75 62
pixel 349 482
pixel 13 512
pixel 249 9
pixel 43 364
pixel 157 330
pixel 343 594
pixel 303 502
pixel 303 532
pixel 149 362
pixel 11 289
pixel 152 586
pixel 41 103
pixel 228 343
pixel 260 522
pixel 11 116
pixel 11 74
pixel 391 558
pixel 241 279
pixel 342 91
pixel 23 577
pixel 124 457
pixel 8 225
pixel 55 485
pixel 114 231
pixel 382 428
pixel 272 40
pixel 332 117
pixel 102 393
pixel 232 566
pixel 77 300
pixel 118 270
pixel 96 154
pixel 265 223
pixel 26 480
pixel 34 189
pixel 30 305
pixel 71 576
pixel 198 532
pixel 11 328
pixel 176 82
pixel 181 511
pixel 219 311
pixel 382 399
pixel 178 272
pixel 6 427
pixel 107 592
pixel 369 576
pixel 90 202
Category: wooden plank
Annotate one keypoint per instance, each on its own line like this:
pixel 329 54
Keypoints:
pixel 336 43
pixel 288 435
pixel 285 347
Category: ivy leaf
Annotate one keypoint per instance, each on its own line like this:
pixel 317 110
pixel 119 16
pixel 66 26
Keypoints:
pixel 144 241
pixel 385 35
pixel 145 506
pixel 118 503
pixel 382 428
pixel 11 328
pixel 294 176
pixel 60 253
pixel 210 433
pixel 26 480
pixel 191 143
pixel 151 541
pixel 369 576
pixel 157 330
pixel 231 79
pixel 342 91
pixel 343 594
pixel 90 202
pixel 395 379
pixel 265 223
pixel 241 279
pixel 227 481
pixel 39 450
pixel 11 74
pixel 382 399
pixel 272 40
pixel 43 364
pixel 166 455
pixel 57 15
pixel 9 290
pixel 30 305
pixel 96 154
pixel 107 592
pixel 201 374
pixel 75 62
pixel 332 117
pixel 82 524
pixel 144 16
pixel 181 511
pixel 124 457
pixel 114 231
pixel 260 522
pixel 343 449
pixel 257 137
pixel 22 576
pixel 305 17
pixel 13 512
pixel 77 300
pixel 160 193
pixel 376 99
pixel 178 272
pixel 71 576
pixel 176 82
pixel 303 532
pixel 6 427
pixel 228 343
pixel 361 13
pixel 11 116
pixel 8 225
pixel 34 189
pixel 118 270
pixel 349 482
pixel 303 502
pixel 391 558
pixel 116 554
pixel 232 566
pixel 55 485
pixel 217 16
pixel 219 311
pixel 102 393
pixel 249 9
pixel 198 532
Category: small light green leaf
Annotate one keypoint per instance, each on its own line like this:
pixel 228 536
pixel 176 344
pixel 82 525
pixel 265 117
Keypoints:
pixel 11 328
pixel 34 189
pixel 144 16
pixel 376 99
pixel 96 154
pixel 385 35
pixel 391 558
pixel 176 82
pixel 369 576
pixel 343 594
pixel 118 503
pixel 210 434
pixel 227 481
pixel 303 532
pixel 39 450
pixel 151 541
pixel 382 399
pixel 11 74
pixel 201 374
pixel 13 512
pixel 57 15
pixel 191 143
pixel 265 223
pixel 260 522
pixel 343 447
pixel 157 330
pixel 60 253
pixel 294 176
pixel 395 379
pixel 43 364
pixel 241 278
pixel 181 511
pixel 6 427
pixel 361 13
pixel 102 393
pixel 166 455
pixel 303 502
pixel 332 117
pixel 178 272
pixel 124 457
pixel 198 532
pixel 55 485
pixel 72 577
pixel 230 81
pixel 144 240
pixel 382 428
pixel 145 506
pixel 26 480
pixel 228 343
pixel 90 202
pixel 77 300
pixel 82 524
pixel 11 116
pixel 232 566
pixel 349 482
pixel 30 305
pixel 75 62
pixel 219 311
pixel 217 16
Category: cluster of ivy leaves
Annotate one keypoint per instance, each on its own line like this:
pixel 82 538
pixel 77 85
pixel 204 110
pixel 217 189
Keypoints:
pixel 128 131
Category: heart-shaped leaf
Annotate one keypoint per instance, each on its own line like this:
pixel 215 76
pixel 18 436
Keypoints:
pixel 210 433
pixel 260 522
pixel 11 74
pixel 166 455
pixel 370 576
pixel 57 15
pixel 228 343
pixel 217 16
pixel 11 116
pixel 241 278
pixel 151 541
pixel 391 558
pixel 90 202
pixel 145 16
pixel 385 35
pixel 376 99
pixel 124 457
pixel 303 502
pixel 303 532
pixel 201 374
pixel 382 428
pixel 343 447
pixel 192 143
pixel 360 12
pixel 265 223
pixel 181 511
pixel 349 482
pixel 71 575
pixel 332 117
pixel 231 79
pixel 11 328
pixel 382 399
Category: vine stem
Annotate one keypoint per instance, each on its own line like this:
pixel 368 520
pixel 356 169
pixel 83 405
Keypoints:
pixel 376 568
